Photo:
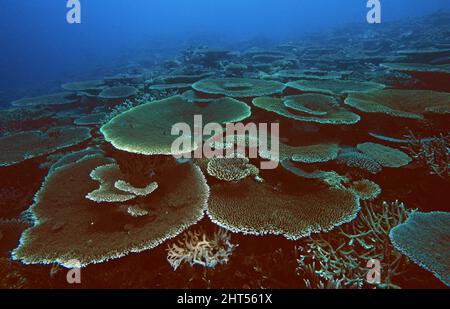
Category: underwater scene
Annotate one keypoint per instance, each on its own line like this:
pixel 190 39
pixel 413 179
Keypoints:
pixel 240 144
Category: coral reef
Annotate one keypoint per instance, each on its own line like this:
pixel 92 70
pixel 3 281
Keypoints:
pixel 424 238
pixel 26 145
pixel 401 103
pixel 340 258
pixel 238 87
pixel 118 92
pixel 384 155
pixel 333 87
pixel 231 169
pixel 308 108
pixel 146 129
pixel 61 98
pixel 256 208
pixel 433 153
pixel 67 226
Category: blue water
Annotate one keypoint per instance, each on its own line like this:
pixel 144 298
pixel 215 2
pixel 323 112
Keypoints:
pixel 39 49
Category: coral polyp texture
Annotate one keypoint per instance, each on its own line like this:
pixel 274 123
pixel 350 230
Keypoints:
pixel 107 176
pixel 146 129
pixel 424 238
pixel 256 208
pixel 318 153
pixel 239 87
pixel 366 190
pixel 67 226
pixel 413 104
pixel 384 155
pixel 231 169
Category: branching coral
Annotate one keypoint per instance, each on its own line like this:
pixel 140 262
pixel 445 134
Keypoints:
pixel 433 153
pixel 343 256
pixel 197 248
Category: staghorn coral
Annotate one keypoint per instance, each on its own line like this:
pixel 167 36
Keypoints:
pixel 197 248
pixel 433 153
pixel 425 239
pixel 342 256
pixel 231 169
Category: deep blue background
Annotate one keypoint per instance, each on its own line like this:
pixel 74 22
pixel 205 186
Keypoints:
pixel 37 46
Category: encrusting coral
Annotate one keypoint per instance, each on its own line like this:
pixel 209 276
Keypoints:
pixel 197 248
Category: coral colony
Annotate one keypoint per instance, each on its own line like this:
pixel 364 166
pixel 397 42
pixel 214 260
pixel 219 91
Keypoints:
pixel 317 163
